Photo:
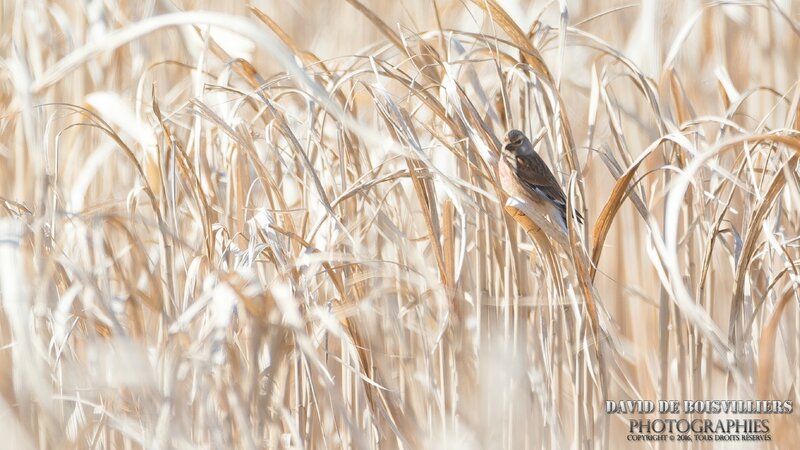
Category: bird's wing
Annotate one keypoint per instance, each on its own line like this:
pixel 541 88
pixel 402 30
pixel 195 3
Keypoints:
pixel 534 174
pixel 533 171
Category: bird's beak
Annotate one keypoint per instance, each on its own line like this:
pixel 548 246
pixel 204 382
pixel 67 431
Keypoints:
pixel 505 144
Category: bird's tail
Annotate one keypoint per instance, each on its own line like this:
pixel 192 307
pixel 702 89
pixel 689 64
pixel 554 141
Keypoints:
pixel 563 212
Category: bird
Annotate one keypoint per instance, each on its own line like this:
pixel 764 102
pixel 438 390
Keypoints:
pixel 524 174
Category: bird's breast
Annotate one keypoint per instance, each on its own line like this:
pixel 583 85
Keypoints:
pixel 507 174
pixel 508 179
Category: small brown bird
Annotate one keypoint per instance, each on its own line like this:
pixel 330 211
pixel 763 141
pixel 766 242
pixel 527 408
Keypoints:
pixel 524 174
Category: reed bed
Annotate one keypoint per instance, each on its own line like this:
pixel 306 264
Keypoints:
pixel 255 225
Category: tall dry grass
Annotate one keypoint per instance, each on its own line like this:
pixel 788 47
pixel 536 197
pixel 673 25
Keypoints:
pixel 280 226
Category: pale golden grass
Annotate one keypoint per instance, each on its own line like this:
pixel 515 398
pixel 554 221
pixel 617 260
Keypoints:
pixel 273 226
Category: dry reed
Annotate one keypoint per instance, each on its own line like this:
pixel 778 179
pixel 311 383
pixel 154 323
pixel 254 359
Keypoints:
pixel 272 226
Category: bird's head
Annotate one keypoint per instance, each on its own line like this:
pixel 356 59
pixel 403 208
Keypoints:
pixel 514 141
